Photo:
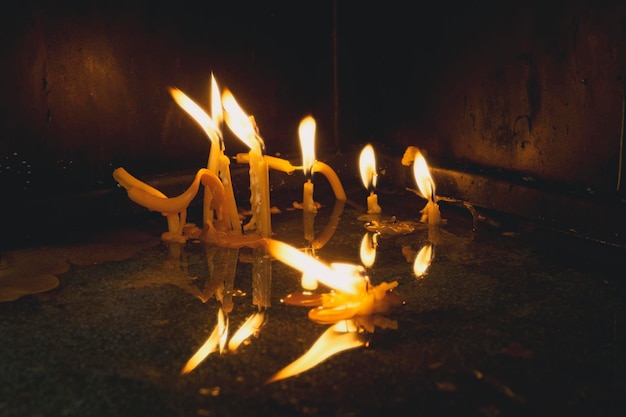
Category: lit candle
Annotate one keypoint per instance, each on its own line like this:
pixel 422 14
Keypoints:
pixel 224 162
pixel 426 186
pixel 352 293
pixel 307 143
pixel 369 176
pixel 244 128
pixel 217 162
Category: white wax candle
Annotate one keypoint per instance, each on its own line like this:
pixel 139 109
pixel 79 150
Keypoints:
pixel 273 162
pixel 308 204
pixel 332 178
pixel 372 203
pixel 233 214
pixel 259 192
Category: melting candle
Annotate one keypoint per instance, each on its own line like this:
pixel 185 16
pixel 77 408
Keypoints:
pixel 217 161
pixel 332 178
pixel 367 163
pixel 245 129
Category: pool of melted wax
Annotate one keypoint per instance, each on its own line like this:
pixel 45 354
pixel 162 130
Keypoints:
pixel 507 320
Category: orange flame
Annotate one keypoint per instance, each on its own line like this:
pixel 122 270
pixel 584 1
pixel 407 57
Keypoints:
pixel 337 276
pixel 251 326
pixel 216 104
pixel 239 122
pixel 306 132
pixel 367 166
pixel 424 181
pixel 197 113
pixel 215 341
pixel 368 249
pixel 341 336
pixel 423 259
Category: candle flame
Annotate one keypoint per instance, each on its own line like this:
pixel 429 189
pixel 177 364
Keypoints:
pixel 423 259
pixel 368 249
pixel 341 336
pixel 335 276
pixel 213 343
pixel 307 143
pixel 367 164
pixel 197 113
pixel 251 326
pixel 216 104
pixel 424 181
pixel 239 122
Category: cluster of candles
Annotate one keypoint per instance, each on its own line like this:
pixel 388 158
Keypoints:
pixel 352 298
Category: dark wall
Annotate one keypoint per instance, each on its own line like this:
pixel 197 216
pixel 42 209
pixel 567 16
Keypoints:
pixel 530 88
pixel 84 84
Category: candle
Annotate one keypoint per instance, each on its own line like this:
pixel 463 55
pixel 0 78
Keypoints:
pixel 211 126
pixel 224 162
pixel 306 133
pixel 332 178
pixel 273 162
pixel 245 129
pixel 369 176
pixel 426 186
pixel 175 208
pixel 352 293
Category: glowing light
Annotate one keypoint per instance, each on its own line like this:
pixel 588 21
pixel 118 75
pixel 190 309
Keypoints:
pixel 423 259
pixel 251 326
pixel 424 181
pixel 214 343
pixel 368 249
pixel 367 165
pixel 336 276
pixel 216 104
pixel 339 337
pixel 240 123
pixel 306 133
pixel 197 113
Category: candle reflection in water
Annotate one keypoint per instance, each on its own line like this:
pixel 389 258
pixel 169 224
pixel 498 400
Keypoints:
pixel 369 243
pixel 222 264
pixel 423 259
pixel 351 293
pixel 352 308
pixel 339 337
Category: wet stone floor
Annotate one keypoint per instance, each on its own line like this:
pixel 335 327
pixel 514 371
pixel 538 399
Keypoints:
pixel 508 320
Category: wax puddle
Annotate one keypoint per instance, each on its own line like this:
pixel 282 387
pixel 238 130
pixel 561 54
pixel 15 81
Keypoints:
pixel 36 270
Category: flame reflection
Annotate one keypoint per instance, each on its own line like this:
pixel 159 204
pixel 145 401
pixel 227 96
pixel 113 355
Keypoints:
pixel 339 337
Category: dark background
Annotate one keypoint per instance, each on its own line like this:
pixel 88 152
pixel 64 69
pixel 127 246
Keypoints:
pixel 531 89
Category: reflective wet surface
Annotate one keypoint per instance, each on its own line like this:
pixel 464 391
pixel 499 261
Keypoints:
pixel 507 320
